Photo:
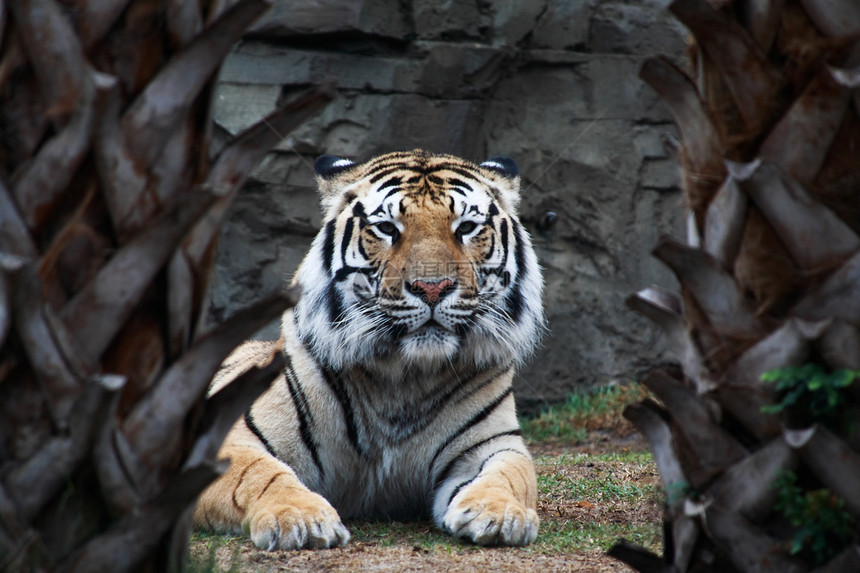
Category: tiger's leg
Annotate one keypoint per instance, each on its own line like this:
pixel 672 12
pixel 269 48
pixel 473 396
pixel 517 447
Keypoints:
pixel 264 497
pixel 490 495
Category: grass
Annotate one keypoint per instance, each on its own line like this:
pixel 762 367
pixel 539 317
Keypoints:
pixel 589 501
pixel 205 560
pixel 570 536
pixel 589 498
pixel 598 489
pixel 583 411
pixel 611 485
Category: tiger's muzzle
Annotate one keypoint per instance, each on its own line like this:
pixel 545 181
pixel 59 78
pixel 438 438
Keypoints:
pixel 431 292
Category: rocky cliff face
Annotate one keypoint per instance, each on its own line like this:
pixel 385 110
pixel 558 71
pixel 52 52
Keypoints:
pixel 551 83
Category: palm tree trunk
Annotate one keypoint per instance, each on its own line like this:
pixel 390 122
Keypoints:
pixel 110 204
pixel 769 115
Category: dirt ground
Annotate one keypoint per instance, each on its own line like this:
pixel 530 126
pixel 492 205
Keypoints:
pixel 419 547
pixel 360 557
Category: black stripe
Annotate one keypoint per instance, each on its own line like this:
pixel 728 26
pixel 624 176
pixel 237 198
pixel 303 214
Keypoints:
pixel 473 421
pixel 460 183
pixel 387 159
pixel 447 396
pixel 388 171
pixel 271 481
pixel 432 404
pixel 345 272
pixel 392 192
pixel 499 270
pixel 360 242
pixel 477 475
pixel 336 385
pixel 293 379
pixel 249 421
pixel 459 170
pixel 347 237
pixel 336 310
pixel 241 479
pixel 492 250
pixel 300 403
pixel 514 303
pixel 395 181
pixel 443 475
pixel 519 251
pixel 503 231
pixel 514 300
pixel 328 247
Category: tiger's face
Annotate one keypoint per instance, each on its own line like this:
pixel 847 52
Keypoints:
pixel 421 260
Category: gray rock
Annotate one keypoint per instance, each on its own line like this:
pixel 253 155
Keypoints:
pixel 513 21
pixel 556 84
pixel 362 125
pixel 448 19
pixel 563 25
pixel 635 28
pixel 310 17
pixel 241 106
pixel 281 67
pixel 460 70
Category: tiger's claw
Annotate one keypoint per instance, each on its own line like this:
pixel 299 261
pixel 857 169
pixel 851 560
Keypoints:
pixel 296 526
pixel 491 521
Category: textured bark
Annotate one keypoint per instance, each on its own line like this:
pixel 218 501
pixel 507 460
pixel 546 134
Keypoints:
pixel 110 201
pixel 770 118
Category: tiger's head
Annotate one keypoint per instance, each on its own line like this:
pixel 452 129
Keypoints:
pixel 421 263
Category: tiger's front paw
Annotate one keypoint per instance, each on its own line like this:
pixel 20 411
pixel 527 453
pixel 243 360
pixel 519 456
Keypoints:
pixel 491 520
pixel 295 524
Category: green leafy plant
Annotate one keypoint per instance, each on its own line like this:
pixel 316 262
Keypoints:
pixel 820 391
pixel 823 528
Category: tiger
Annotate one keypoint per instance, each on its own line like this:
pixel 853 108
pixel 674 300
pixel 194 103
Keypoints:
pixel 421 295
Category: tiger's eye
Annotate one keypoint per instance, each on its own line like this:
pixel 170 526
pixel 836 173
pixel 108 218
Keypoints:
pixel 466 227
pixel 387 228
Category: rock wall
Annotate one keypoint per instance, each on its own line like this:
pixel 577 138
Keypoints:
pixel 551 83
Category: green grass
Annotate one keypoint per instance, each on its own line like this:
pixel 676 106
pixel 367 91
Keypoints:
pixel 584 410
pixel 594 490
pixel 423 535
pixel 574 536
pixel 613 487
pixel 603 485
pixel 556 537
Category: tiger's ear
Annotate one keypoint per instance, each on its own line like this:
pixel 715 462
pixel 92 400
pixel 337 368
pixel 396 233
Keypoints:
pixel 327 166
pixel 332 176
pixel 503 165
pixel 506 174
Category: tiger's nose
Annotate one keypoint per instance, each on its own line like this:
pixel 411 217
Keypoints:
pixel 431 292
